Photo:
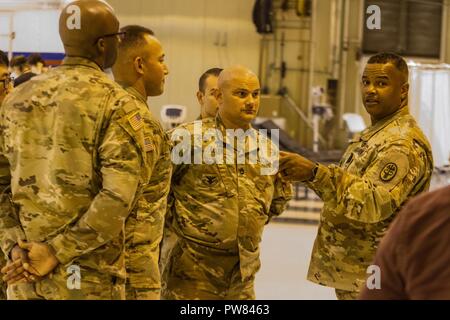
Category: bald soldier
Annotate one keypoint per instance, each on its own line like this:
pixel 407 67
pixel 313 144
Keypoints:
pixel 383 167
pixel 73 162
pixel 220 204
pixel 141 70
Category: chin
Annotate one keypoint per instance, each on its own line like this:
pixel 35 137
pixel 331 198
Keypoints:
pixel 248 119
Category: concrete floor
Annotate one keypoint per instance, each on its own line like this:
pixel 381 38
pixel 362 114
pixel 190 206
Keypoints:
pixel 285 253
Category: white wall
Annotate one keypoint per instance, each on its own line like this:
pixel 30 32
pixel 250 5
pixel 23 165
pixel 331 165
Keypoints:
pixel 196 35
pixel 193 34
pixel 36 31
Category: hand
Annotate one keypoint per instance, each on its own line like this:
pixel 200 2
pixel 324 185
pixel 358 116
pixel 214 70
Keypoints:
pixel 41 260
pixel 294 167
pixel 14 271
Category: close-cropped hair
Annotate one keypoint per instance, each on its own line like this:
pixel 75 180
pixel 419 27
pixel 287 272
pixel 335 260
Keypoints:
pixel 394 59
pixel 211 72
pixel 134 36
pixel 4 61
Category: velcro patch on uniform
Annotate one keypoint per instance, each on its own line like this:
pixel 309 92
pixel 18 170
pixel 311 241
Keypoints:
pixel 136 121
pixel 148 145
pixel 389 171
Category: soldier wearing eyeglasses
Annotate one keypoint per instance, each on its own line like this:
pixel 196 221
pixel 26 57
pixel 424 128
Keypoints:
pixel 73 160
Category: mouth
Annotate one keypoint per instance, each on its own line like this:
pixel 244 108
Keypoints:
pixel 371 102
pixel 249 111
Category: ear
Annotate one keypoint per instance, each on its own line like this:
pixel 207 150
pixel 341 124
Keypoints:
pixel 139 65
pixel 200 96
pixel 101 45
pixel 405 91
pixel 217 93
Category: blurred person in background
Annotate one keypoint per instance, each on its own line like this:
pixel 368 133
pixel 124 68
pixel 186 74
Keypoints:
pixel 206 94
pixel 36 63
pixel 414 256
pixel 21 70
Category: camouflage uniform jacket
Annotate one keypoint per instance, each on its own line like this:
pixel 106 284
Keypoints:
pixel 145 225
pixel 72 160
pixel 219 210
pixel 382 168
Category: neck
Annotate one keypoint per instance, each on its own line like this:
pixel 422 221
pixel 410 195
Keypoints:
pixel 203 114
pixel 86 55
pixel 139 86
pixel 375 121
pixel 232 125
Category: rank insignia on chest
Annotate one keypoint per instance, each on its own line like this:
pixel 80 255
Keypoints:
pixel 389 171
pixel 136 121
pixel 209 180
pixel 148 145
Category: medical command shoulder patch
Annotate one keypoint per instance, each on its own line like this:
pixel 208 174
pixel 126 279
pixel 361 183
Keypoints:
pixel 389 171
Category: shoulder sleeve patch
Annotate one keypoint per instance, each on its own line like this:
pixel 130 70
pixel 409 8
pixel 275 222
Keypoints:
pixel 135 120
pixel 388 172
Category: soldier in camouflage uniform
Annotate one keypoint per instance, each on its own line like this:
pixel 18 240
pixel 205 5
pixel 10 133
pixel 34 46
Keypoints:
pixel 382 168
pixel 72 154
pixel 218 210
pixel 207 87
pixel 141 70
pixel 4 89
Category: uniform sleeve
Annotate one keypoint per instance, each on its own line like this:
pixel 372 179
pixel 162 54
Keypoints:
pixel 10 228
pixel 281 197
pixel 144 231
pixel 382 189
pixel 121 166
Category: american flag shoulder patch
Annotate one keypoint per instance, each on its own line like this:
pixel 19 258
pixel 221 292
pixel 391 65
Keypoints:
pixel 148 145
pixel 136 121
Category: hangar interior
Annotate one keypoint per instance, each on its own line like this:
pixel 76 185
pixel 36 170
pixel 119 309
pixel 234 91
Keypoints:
pixel 309 56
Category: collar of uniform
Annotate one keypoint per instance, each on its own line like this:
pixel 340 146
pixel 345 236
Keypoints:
pixel 249 147
pixel 80 61
pixel 369 132
pixel 132 90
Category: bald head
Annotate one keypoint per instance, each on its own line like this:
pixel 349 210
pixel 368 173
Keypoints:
pixel 83 23
pixel 234 73
pixel 238 96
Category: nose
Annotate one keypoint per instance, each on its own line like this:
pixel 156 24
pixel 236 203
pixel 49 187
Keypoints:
pixel 250 102
pixel 166 70
pixel 370 89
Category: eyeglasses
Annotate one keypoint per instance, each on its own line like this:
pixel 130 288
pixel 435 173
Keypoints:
pixel 119 35
pixel 6 81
